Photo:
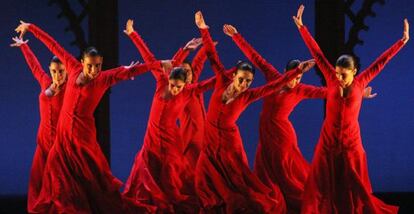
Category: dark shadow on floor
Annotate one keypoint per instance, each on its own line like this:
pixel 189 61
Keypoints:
pixel 17 204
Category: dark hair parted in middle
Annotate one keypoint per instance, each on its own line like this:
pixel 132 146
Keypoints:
pixel 245 66
pixel 178 73
pixel 55 59
pixel 346 61
pixel 292 64
pixel 90 52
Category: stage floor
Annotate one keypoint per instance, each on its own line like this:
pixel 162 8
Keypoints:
pixel 17 204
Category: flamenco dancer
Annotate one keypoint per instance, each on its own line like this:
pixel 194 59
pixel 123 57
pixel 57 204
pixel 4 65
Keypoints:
pixel 338 181
pixel 77 177
pixel 194 114
pixel 161 175
pixel 224 182
pixel 278 159
pixel 50 103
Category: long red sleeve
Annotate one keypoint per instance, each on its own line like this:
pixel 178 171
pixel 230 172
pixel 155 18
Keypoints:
pixel 270 72
pixel 203 85
pixel 143 49
pixel 180 56
pixel 123 73
pixel 326 68
pixel 35 66
pixel 376 67
pixel 311 92
pixel 146 54
pixel 67 59
pixel 273 86
pixel 198 63
pixel 208 84
pixel 212 55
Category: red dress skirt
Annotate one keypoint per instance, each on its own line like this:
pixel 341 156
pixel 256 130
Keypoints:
pixel 338 181
pixel 224 182
pixel 77 177
pixel 49 114
pixel 278 160
pixel 161 175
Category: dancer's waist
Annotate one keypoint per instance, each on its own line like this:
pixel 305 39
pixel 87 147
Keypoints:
pixel 222 124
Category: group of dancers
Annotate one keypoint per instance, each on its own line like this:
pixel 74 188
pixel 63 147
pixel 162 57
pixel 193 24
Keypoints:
pixel 200 165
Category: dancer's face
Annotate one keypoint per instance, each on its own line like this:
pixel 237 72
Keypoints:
pixel 92 66
pixel 293 83
pixel 175 86
pixel 345 75
pixel 242 80
pixel 58 73
pixel 187 68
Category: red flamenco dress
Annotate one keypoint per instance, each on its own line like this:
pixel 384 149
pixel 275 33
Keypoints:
pixel 278 159
pixel 49 107
pixel 224 182
pixel 161 175
pixel 77 177
pixel 194 114
pixel 338 181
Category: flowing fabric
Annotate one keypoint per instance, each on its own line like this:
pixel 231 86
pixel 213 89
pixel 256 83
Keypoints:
pixel 224 182
pixel 161 175
pixel 194 114
pixel 278 160
pixel 338 181
pixel 49 114
pixel 77 177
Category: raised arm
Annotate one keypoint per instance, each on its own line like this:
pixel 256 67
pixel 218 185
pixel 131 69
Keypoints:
pixel 326 68
pixel 180 56
pixel 211 51
pixel 143 49
pixel 198 63
pixel 376 67
pixel 67 59
pixel 42 78
pixel 113 76
pixel 270 72
pixel 277 84
pixel 183 53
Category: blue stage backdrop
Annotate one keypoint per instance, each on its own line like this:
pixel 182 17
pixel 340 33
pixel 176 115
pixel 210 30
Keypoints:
pixel 387 125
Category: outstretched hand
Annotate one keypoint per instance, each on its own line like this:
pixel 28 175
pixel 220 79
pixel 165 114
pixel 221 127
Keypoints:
pixel 18 42
pixel 229 30
pixel 22 28
pixel 132 64
pixel 298 18
pixel 193 44
pixel 367 93
pixel 129 28
pixel 199 20
pixel 406 34
pixel 306 65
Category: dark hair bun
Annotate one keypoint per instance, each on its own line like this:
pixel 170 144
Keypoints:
pixel 245 66
pixel 91 51
pixel 346 61
pixel 178 73
pixel 55 59
pixel 292 64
